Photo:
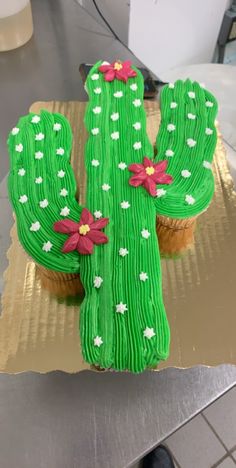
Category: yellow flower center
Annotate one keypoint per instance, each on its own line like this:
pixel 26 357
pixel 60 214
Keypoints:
pixel 118 66
pixel 150 170
pixel 83 229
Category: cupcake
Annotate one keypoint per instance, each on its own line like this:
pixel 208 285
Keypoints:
pixel 42 191
pixel 187 139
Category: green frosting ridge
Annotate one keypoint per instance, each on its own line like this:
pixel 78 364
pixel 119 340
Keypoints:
pixel 124 346
pixel 192 115
pixel 33 149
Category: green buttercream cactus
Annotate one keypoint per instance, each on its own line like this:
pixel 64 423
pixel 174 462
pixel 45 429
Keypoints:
pixel 187 139
pixel 123 323
pixel 42 188
pixel 112 243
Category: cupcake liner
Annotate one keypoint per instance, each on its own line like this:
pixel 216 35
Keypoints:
pixel 60 284
pixel 175 235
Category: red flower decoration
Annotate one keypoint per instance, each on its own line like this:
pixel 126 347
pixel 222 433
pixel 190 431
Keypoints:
pixel 82 235
pixel 120 70
pixel 149 175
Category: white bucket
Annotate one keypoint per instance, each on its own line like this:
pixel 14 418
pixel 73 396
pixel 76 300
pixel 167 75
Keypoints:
pixel 16 24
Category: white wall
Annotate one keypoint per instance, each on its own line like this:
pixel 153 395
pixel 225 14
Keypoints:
pixel 169 33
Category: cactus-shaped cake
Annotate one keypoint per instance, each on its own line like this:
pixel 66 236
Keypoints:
pixel 123 324
pixel 111 244
pixel 187 139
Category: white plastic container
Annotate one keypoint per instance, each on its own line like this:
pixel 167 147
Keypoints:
pixel 16 24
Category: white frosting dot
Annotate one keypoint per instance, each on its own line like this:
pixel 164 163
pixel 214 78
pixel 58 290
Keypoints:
pixel 21 172
pixel 118 94
pixel 191 143
pixel 115 116
pixel 35 119
pixel 160 192
pixel 137 145
pixel 63 192
pixel 191 94
pixel 95 131
pixel 60 151
pixel 106 187
pixel 173 105
pixel 115 136
pixel 145 233
pixel 137 103
pixel 47 246
pixel 98 341
pixel 95 77
pixel 97 214
pixel 35 226
pixel 191 116
pixel 148 333
pixel 189 199
pixel 39 136
pixel 38 180
pixel 133 87
pixel 208 131
pixel 19 148
pixel 95 162
pixel 207 164
pixel 209 104
pixel 23 199
pixel 122 166
pixel 60 174
pixel 169 153
pixel 57 127
pixel 38 155
pixel 123 251
pixel 171 127
pixel 137 125
pixel 125 205
pixel 143 276
pixel 65 211
pixel 185 173
pixel 97 90
pixel 15 130
pixel 97 282
pixel 121 308
pixel 43 203
pixel 171 85
pixel 97 110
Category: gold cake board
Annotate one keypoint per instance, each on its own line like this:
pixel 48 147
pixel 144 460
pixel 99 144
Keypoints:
pixel 39 333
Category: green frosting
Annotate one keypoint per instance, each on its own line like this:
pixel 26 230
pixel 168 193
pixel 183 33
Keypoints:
pixel 124 308
pixel 41 184
pixel 189 147
pixel 123 323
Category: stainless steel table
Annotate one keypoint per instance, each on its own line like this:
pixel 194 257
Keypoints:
pixel 84 420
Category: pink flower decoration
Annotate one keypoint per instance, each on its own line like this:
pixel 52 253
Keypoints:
pixel 82 235
pixel 149 175
pixel 120 70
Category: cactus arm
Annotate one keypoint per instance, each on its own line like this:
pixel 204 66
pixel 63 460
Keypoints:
pixel 186 106
pixel 39 174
